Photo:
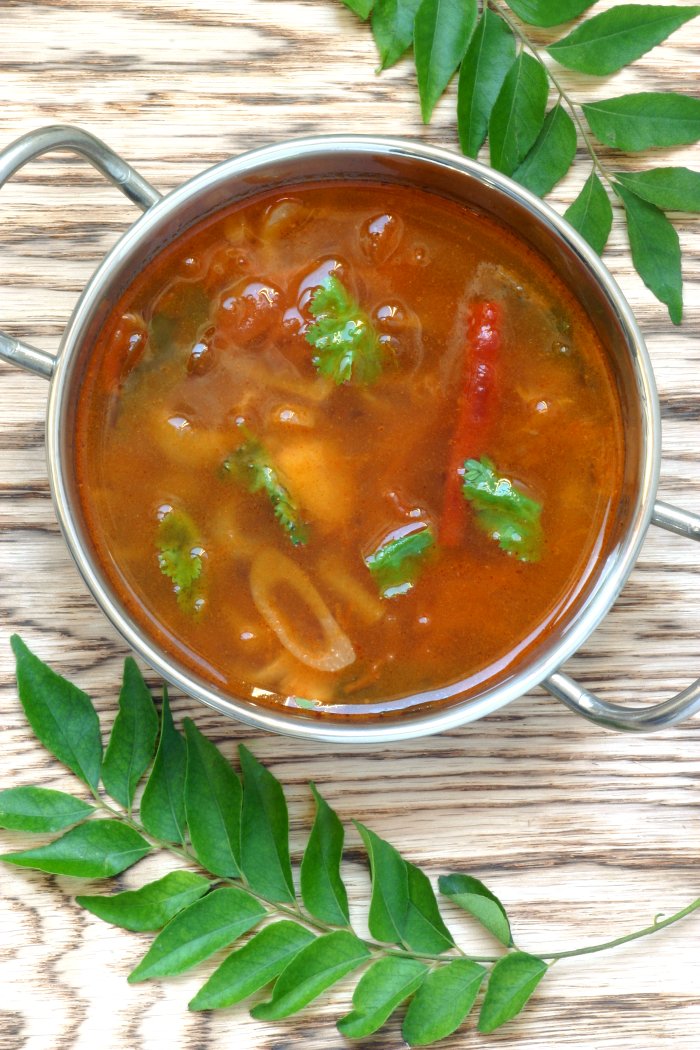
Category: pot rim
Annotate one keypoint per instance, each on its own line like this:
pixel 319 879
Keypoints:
pixel 290 722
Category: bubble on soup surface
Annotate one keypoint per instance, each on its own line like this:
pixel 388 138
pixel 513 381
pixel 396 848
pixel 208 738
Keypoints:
pixel 380 236
pixel 201 356
pixel 314 278
pixel 249 311
pixel 286 216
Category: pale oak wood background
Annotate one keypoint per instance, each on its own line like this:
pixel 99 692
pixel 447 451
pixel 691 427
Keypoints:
pixel 584 834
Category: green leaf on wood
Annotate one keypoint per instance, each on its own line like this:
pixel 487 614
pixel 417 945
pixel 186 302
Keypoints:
pixel 40 809
pixel 94 850
pixel 488 58
pixel 513 980
pixel 442 1002
pixel 392 27
pixel 552 154
pixel 518 113
pixel 132 742
pixel 315 968
pixel 671 189
pixel 645 120
pixel 362 8
pixel 322 887
pixel 61 715
pixel 656 251
pixel 163 802
pixel 211 923
pixel 403 909
pixel 151 906
pixel 212 804
pixel 591 213
pixel 471 894
pixel 381 989
pixel 608 41
pixel 264 832
pixel 441 33
pixel 253 966
pixel 548 12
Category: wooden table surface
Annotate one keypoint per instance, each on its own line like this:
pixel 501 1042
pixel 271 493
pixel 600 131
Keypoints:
pixel 584 834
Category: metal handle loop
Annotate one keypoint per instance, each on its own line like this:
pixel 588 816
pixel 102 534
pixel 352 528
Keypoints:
pixel 636 719
pixel 109 163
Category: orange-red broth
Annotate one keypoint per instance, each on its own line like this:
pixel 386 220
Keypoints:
pixel 212 333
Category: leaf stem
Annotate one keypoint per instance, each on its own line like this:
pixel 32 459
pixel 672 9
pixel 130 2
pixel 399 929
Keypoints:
pixel 563 93
pixel 605 945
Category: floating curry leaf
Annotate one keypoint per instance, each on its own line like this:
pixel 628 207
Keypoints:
pixel 212 805
pixel 346 343
pixel 392 27
pixel 151 906
pixel 591 213
pixel 94 850
pixel 40 809
pixel 518 113
pixel 488 58
pixel 315 968
pixel 671 189
pixel 211 923
pixel 511 983
pixel 505 513
pixel 441 33
pixel 442 1002
pixel 548 12
pixel 264 832
pixel 471 894
pixel 322 887
pixel 163 802
pixel 645 120
pixel 396 564
pixel 252 467
pixel 656 251
pixel 62 716
pixel 608 41
pixel 132 742
pixel 253 966
pixel 552 154
pixel 180 555
pixel 381 989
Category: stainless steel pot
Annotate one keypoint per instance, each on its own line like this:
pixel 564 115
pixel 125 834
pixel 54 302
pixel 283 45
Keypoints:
pixel 452 176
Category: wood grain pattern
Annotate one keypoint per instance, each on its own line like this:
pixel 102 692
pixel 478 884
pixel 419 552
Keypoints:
pixel 584 834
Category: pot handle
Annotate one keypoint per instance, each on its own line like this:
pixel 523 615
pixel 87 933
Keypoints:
pixel 636 719
pixel 109 163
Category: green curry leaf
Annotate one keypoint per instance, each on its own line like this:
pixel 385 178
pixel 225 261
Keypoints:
pixel 608 41
pixel 163 802
pixel 62 716
pixel 442 31
pixel 591 213
pixel 518 113
pixel 180 555
pixel 132 742
pixel 490 55
pixel 510 517
pixel 346 344
pixel 251 466
pixel 396 564
pixel 151 906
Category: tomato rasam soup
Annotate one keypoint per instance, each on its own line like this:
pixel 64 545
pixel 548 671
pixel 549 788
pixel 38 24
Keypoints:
pixel 349 447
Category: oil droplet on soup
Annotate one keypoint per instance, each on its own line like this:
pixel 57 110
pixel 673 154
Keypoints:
pixel 351 447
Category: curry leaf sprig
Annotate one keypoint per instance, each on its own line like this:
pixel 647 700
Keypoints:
pixel 237 892
pixel 505 83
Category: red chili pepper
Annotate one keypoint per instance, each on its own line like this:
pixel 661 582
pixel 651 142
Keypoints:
pixel 475 409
